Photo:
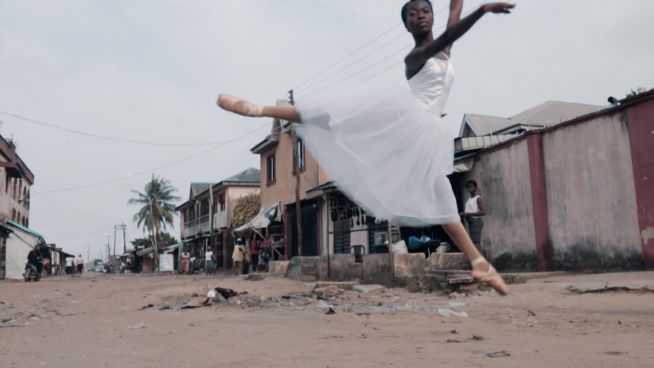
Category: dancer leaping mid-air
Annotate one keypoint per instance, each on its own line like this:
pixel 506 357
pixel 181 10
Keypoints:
pixel 386 146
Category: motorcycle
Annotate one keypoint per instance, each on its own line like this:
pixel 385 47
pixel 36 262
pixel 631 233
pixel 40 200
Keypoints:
pixel 31 273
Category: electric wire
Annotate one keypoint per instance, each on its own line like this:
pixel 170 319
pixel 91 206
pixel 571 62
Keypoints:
pixel 106 138
pixel 362 70
pixel 69 189
pixel 366 45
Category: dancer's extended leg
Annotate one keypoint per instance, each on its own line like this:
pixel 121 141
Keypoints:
pixel 245 108
pixel 482 270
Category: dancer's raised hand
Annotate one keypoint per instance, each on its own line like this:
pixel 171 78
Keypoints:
pixel 498 8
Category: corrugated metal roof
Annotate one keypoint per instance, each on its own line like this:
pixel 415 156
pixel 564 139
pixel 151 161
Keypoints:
pixel 248 175
pixel 197 188
pixel 546 114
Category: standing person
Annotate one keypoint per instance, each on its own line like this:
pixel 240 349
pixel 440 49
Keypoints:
pixel 80 264
pixel 186 260
pixel 238 255
pixel 358 134
pixel 474 210
pixel 254 253
pixel 208 262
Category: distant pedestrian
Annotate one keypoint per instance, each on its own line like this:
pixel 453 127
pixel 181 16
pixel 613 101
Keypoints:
pixel 474 210
pixel 254 253
pixel 80 264
pixel 238 256
pixel 186 261
pixel 208 262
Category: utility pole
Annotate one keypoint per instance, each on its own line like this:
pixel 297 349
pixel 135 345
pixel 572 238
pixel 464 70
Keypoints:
pixel 122 227
pixel 296 166
pixel 211 242
pixel 108 248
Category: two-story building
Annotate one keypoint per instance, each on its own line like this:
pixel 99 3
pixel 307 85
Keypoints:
pixel 16 180
pixel 331 222
pixel 206 218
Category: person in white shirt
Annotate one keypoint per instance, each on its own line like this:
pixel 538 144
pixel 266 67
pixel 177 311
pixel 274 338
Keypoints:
pixel 80 264
pixel 474 210
pixel 208 263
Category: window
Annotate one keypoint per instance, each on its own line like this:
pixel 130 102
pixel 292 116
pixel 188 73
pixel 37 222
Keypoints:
pixel 221 200
pixel 298 158
pixel 270 165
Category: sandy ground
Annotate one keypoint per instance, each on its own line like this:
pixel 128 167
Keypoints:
pixel 137 321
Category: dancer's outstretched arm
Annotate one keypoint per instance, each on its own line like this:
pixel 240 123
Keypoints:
pixel 456 7
pixel 419 55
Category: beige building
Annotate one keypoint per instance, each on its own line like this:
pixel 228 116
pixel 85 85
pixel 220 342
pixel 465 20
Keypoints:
pixel 205 224
pixel 16 180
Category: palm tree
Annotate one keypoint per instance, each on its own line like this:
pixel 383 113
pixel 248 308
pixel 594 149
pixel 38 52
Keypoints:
pixel 157 209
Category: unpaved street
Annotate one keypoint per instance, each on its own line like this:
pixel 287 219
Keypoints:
pixel 138 321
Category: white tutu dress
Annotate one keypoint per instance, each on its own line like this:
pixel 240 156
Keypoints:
pixel 386 147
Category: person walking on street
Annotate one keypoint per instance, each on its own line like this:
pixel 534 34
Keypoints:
pixel 186 261
pixel 80 264
pixel 254 253
pixel 208 261
pixel 238 256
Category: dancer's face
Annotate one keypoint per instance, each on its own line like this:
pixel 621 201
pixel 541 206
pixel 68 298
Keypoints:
pixel 420 18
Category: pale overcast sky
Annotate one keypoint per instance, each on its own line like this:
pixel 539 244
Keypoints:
pixel 151 71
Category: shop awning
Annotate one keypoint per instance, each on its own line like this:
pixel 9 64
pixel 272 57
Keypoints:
pixel 25 229
pixel 265 216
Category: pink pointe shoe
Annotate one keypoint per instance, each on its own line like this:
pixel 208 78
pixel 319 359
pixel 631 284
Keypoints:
pixel 239 106
pixel 490 277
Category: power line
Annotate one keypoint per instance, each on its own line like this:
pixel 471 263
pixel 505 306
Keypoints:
pixel 366 45
pixel 348 55
pixel 149 170
pixel 361 70
pixel 106 138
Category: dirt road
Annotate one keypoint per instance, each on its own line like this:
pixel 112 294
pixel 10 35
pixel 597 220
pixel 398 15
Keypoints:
pixel 138 321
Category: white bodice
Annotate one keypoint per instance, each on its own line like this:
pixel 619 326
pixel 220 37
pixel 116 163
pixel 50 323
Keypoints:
pixel 432 84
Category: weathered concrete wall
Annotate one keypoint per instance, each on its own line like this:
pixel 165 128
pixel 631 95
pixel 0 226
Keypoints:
pixel 409 265
pixel 303 268
pixel 377 269
pixel 508 233
pixel 640 120
pixel 447 261
pixel 591 204
pixel 278 267
pixel 340 267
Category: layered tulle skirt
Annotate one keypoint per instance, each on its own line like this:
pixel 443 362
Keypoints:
pixel 385 150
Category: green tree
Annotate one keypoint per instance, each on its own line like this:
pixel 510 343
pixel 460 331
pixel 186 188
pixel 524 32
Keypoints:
pixel 157 208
